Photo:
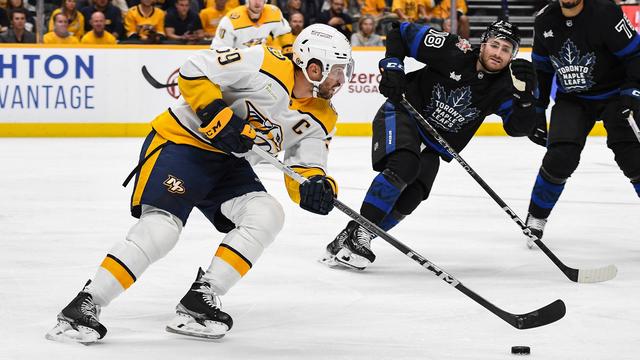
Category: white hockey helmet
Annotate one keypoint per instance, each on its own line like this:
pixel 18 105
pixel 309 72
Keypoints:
pixel 327 45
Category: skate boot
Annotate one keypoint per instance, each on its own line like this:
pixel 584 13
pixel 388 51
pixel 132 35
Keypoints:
pixel 78 321
pixel 198 313
pixel 329 258
pixel 356 252
pixel 536 226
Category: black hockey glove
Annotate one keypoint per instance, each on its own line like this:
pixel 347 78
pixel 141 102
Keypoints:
pixel 224 129
pixel 524 80
pixel 316 195
pixel 393 82
pixel 629 102
pixel 539 133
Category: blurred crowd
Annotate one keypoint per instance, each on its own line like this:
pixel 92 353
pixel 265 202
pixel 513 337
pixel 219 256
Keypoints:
pixel 365 22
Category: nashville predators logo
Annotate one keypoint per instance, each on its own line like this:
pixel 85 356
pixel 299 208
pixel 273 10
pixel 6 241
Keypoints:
pixel 269 134
pixel 174 185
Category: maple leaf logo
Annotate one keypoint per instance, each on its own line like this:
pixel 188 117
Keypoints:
pixel 451 112
pixel 574 72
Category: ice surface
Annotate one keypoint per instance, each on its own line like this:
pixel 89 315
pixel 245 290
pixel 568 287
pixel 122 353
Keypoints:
pixel 62 207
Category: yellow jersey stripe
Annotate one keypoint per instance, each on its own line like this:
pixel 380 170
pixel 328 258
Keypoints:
pixel 145 171
pixel 119 271
pixel 232 257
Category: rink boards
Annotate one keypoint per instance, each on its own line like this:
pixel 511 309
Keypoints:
pixel 71 91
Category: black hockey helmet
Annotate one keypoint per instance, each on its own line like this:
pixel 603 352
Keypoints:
pixel 505 30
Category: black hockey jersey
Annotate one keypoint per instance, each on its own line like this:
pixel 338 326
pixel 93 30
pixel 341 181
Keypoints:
pixel 450 92
pixel 593 55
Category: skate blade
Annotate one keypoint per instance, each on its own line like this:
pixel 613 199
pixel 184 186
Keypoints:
pixel 329 260
pixel 184 324
pixel 64 332
pixel 353 261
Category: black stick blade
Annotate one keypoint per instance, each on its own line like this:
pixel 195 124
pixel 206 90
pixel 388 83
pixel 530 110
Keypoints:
pixel 152 81
pixel 543 316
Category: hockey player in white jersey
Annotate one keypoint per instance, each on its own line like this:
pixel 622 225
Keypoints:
pixel 194 157
pixel 253 24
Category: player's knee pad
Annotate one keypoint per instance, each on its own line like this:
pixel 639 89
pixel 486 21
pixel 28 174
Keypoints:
pixel 156 233
pixel 151 238
pixel 561 160
pixel 258 216
pixel 627 155
pixel 411 197
pixel 403 165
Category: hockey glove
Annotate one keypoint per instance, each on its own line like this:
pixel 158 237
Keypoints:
pixel 524 82
pixel 629 102
pixel 539 133
pixel 316 195
pixel 224 129
pixel 393 82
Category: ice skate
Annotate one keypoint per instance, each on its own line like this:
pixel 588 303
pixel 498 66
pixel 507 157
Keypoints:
pixel 329 258
pixel 356 252
pixel 78 321
pixel 536 226
pixel 198 314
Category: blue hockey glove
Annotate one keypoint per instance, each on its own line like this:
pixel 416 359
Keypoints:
pixel 393 83
pixel 224 129
pixel 316 195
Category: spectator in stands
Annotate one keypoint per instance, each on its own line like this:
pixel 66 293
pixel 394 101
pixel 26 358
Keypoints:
pixel 374 8
pixel 296 21
pixel 337 18
pixel 292 6
pixel 442 11
pixel 74 18
pixel 113 16
pixel 30 24
pixel 4 20
pixel 210 17
pixel 122 6
pixel 231 4
pixel 60 33
pixel 98 35
pixel 412 10
pixel 365 35
pixel 145 23
pixel 182 24
pixel 18 32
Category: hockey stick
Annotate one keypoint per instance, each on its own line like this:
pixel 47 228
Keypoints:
pixel 543 316
pixel 153 82
pixel 576 275
pixel 634 126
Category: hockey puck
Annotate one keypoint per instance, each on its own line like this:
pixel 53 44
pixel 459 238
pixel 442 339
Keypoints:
pixel 520 350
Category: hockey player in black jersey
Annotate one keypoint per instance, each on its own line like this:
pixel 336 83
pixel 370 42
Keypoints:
pixel 594 53
pixel 456 90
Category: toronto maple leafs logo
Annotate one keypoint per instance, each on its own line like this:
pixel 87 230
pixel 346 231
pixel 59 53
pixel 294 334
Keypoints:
pixel 574 71
pixel 451 112
pixel 268 133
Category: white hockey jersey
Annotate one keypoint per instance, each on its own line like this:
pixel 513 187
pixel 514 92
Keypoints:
pixel 257 85
pixel 237 30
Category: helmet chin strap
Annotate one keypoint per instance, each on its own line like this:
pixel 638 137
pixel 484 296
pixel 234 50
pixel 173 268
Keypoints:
pixel 315 84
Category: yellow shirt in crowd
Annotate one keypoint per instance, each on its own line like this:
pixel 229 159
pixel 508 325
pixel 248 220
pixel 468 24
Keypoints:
pixel 443 10
pixel 105 39
pixel 76 25
pixel 136 22
pixel 230 5
pixel 52 38
pixel 210 18
pixel 408 7
pixel 372 7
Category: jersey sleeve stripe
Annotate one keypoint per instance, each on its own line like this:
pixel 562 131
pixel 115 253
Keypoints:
pixel 412 35
pixel 192 77
pixel 631 48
